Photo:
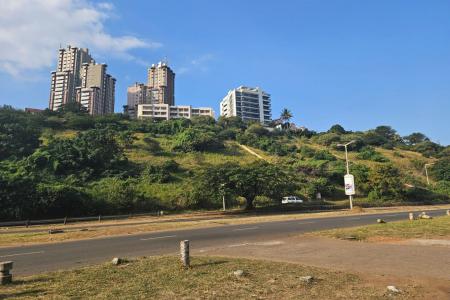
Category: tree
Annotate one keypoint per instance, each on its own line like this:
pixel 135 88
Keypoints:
pixel 90 153
pixel 337 129
pixel 415 138
pixel 73 107
pixel 261 179
pixel 286 115
pixel 387 132
pixel 193 139
pixel 385 183
pixel 441 169
pixel 19 137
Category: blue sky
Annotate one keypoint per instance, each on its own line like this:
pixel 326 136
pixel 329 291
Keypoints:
pixel 356 63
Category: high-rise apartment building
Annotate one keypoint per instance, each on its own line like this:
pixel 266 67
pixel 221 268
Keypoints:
pixel 161 83
pixel 136 94
pixel 79 78
pixel 250 104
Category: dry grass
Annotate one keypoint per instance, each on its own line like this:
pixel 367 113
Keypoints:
pixel 438 228
pixel 208 278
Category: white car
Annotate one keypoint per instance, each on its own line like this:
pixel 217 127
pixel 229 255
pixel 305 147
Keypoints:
pixel 291 199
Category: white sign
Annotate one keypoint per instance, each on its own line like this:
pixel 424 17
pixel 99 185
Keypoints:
pixel 349 183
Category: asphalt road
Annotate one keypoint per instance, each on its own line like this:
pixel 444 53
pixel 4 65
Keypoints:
pixel 49 257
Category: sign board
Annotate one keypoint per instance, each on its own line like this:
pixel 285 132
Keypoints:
pixel 349 183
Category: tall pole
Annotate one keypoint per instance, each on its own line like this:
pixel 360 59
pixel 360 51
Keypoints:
pixel 223 196
pixel 348 169
pixel 348 172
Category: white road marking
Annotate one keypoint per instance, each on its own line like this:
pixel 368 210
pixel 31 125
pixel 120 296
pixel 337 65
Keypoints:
pixel 301 223
pixel 159 237
pixel 26 253
pixel 354 219
pixel 248 228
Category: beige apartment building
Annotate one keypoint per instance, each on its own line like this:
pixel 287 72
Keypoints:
pixel 167 112
pixel 79 78
pixel 161 84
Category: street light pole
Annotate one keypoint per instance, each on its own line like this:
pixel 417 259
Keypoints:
pixel 426 172
pixel 348 169
pixel 223 196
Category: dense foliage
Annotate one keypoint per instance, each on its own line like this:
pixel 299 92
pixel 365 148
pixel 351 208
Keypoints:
pixel 68 163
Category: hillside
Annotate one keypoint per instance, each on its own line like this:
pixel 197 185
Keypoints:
pixel 69 163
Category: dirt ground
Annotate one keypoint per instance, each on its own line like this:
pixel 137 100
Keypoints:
pixel 383 263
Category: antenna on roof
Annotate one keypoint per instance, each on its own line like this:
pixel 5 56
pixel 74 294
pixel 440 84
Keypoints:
pixel 165 61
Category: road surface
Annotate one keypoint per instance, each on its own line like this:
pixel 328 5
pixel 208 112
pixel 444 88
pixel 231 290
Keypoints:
pixel 35 259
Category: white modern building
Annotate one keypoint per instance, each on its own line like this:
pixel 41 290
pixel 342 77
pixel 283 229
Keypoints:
pixel 167 112
pixel 250 104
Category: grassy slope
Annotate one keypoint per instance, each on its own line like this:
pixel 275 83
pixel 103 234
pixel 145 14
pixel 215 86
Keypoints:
pixel 209 278
pixel 140 154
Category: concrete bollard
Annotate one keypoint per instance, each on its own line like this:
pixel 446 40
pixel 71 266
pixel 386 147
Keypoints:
pixel 184 253
pixel 381 221
pixel 448 212
pixel 411 216
pixel 5 276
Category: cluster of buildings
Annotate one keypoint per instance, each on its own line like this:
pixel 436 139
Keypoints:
pixel 78 78
pixel 156 99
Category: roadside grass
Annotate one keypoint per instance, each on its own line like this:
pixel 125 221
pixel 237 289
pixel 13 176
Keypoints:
pixel 208 278
pixel 438 228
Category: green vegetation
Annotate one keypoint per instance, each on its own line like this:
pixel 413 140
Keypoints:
pixel 67 163
pixel 434 228
pixel 208 278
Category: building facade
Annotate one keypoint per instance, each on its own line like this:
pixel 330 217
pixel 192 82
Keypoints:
pixel 250 104
pixel 167 112
pixel 161 84
pixel 79 78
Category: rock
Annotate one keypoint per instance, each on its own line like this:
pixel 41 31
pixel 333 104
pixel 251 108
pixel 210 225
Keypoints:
pixel 238 273
pixel 393 289
pixel 350 238
pixel 116 261
pixel 84 229
pixel 425 216
pixel 306 279
pixel 381 221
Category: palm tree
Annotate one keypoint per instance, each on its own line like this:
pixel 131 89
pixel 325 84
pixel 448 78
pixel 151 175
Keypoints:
pixel 286 115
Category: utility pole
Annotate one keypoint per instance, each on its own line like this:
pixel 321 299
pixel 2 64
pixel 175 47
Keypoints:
pixel 348 169
pixel 223 196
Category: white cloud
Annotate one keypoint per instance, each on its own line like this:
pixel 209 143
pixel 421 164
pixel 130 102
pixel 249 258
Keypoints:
pixel 199 63
pixel 31 31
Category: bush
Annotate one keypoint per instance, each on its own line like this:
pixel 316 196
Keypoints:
pixel 115 195
pixel 369 153
pixel 385 183
pixel 324 155
pixel 441 169
pixel 193 139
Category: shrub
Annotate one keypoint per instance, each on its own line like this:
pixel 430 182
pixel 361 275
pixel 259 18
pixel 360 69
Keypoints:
pixel 369 153
pixel 441 169
pixel 385 183
pixel 193 139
